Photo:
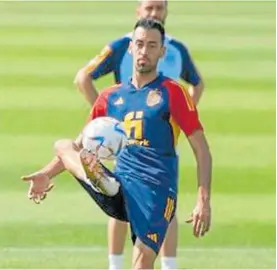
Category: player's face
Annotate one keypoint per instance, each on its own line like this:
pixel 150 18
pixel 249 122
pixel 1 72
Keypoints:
pixel 146 48
pixel 156 10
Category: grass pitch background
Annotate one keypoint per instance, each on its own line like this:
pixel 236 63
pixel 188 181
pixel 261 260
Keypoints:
pixel 42 45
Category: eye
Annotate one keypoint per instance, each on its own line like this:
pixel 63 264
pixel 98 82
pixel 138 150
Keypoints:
pixel 152 45
pixel 159 8
pixel 139 44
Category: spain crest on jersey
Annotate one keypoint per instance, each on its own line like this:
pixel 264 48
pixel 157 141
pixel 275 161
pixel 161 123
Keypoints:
pixel 154 97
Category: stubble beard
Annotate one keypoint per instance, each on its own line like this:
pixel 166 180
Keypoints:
pixel 143 69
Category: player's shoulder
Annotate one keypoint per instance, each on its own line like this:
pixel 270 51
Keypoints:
pixel 109 90
pixel 178 44
pixel 171 84
pixel 177 92
pixel 121 42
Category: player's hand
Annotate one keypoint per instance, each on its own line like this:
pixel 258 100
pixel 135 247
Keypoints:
pixel 40 184
pixel 200 218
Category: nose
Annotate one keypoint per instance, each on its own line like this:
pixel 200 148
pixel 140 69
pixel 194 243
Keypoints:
pixel 144 50
pixel 154 14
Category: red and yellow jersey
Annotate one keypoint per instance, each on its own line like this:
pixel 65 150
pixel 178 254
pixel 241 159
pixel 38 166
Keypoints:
pixel 153 117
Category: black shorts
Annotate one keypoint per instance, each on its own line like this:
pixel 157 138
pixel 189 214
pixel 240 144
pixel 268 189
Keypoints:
pixel 113 206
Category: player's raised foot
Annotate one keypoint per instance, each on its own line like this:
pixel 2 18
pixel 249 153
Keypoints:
pixel 88 159
pixel 97 174
pixel 91 165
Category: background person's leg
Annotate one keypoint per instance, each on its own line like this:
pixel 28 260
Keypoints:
pixel 117 231
pixel 169 248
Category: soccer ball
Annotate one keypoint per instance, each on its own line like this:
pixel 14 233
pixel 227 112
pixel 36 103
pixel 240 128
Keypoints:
pixel 105 136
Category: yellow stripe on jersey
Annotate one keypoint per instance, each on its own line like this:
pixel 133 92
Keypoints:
pixel 169 209
pixel 98 59
pixel 188 98
pixel 176 130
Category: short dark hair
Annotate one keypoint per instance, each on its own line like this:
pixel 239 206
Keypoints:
pixel 151 24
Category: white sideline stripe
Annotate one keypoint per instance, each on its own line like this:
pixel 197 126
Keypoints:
pixel 101 248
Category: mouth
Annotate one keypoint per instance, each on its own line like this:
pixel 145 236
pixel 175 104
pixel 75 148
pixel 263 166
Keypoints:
pixel 157 19
pixel 143 61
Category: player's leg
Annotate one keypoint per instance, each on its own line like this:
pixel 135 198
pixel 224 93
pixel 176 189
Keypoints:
pixel 113 206
pixel 70 156
pixel 117 231
pixel 149 217
pixel 169 248
pixel 99 177
pixel 143 256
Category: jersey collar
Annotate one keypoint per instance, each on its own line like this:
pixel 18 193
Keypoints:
pixel 152 84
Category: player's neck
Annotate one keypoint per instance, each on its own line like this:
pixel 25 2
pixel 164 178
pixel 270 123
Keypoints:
pixel 141 79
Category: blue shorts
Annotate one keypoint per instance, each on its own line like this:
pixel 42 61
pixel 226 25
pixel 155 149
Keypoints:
pixel 148 209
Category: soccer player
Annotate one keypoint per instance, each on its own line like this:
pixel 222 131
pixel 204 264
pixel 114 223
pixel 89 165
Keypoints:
pixel 115 58
pixel 147 167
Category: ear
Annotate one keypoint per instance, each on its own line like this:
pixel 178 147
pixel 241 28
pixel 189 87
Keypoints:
pixel 138 12
pixel 166 13
pixel 163 51
pixel 130 47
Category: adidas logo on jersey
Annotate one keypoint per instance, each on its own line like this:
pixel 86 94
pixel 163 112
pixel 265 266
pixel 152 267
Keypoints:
pixel 119 101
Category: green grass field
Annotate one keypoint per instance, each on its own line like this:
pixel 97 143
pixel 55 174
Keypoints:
pixel 42 45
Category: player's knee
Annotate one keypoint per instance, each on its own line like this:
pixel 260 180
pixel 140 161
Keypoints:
pixel 145 257
pixel 61 146
pixel 145 261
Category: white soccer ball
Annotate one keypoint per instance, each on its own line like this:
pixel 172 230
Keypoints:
pixel 105 136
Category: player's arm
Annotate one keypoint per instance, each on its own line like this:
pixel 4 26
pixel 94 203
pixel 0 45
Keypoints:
pixel 191 75
pixel 40 181
pixel 196 91
pixel 99 66
pixel 200 147
pixel 185 115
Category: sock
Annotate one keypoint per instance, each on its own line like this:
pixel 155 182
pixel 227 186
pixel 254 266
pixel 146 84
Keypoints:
pixel 115 262
pixel 169 263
